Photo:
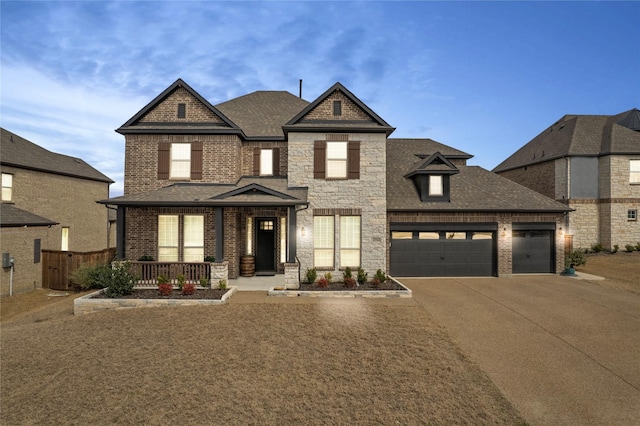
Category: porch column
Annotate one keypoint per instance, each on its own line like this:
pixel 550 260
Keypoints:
pixel 219 234
pixel 292 235
pixel 120 232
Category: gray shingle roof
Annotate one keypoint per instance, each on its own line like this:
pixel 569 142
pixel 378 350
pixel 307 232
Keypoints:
pixel 11 216
pixel 263 113
pixel 19 152
pixel 473 189
pixel 248 191
pixel 579 135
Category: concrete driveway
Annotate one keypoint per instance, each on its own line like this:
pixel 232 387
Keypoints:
pixel 564 351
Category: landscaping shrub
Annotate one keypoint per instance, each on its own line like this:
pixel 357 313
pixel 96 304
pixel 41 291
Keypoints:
pixel 209 259
pixel 328 276
pixel 222 284
pixel 575 258
pixel 121 280
pixel 145 258
pixel 181 281
pixel 204 282
pixel 381 276
pixel 165 289
pixel 311 275
pixel 348 279
pixel 188 289
pixel 323 282
pixel 638 246
pixel 362 276
pixel 615 248
pixel 597 248
pixel 630 247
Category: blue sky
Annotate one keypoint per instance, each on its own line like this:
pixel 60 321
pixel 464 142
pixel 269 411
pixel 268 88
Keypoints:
pixel 482 77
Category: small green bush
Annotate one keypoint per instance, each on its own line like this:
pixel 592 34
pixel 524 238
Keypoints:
pixel 381 276
pixel 575 258
pixel 121 280
pixel 638 246
pixel 181 281
pixel 630 247
pixel 347 273
pixel 328 276
pixel 222 284
pixel 597 248
pixel 615 248
pixel 362 276
pixel 88 277
pixel 209 259
pixel 311 275
pixel 145 258
pixel 204 282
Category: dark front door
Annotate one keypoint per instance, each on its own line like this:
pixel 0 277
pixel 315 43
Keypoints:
pixel 265 246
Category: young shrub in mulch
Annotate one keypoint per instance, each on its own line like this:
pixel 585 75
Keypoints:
pixel 630 247
pixel 323 282
pixel 348 279
pixel 311 275
pixel 222 284
pixel 188 289
pixel 165 289
pixel 121 280
pixel 362 276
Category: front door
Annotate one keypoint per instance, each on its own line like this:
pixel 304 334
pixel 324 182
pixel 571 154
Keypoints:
pixel 265 246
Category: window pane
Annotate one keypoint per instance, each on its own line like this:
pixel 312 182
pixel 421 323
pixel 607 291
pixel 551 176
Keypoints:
pixel 168 230
pixel 428 235
pixel 193 231
pixel 323 240
pixel 7 184
pixel 266 162
pixel 180 151
pixel 249 235
pixel 180 160
pixel 456 235
pixel 349 241
pixel 336 168
pixel 634 171
pixel 283 239
pixel 167 254
pixel 401 235
pixel 337 150
pixel 193 254
pixel 435 185
pixel 482 236
pixel 323 258
pixel 64 246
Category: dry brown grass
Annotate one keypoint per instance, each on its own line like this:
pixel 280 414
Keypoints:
pixel 253 361
pixel 621 270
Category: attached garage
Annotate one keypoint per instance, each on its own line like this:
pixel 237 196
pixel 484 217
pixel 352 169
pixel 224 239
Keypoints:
pixel 533 248
pixel 443 250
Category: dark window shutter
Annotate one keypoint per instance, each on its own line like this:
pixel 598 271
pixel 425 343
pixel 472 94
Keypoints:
pixel 319 159
pixel 164 157
pixel 256 161
pixel 196 161
pixel 276 161
pixel 353 160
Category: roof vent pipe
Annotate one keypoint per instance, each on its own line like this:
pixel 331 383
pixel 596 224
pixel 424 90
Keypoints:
pixel 300 88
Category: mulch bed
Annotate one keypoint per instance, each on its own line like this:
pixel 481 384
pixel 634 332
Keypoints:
pixel 208 293
pixel 339 286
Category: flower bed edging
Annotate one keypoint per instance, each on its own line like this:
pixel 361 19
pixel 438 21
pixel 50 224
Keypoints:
pixel 86 304
pixel 281 292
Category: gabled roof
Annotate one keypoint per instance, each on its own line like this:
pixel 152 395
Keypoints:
pixel 11 216
pixel 473 189
pixel 248 191
pixel 19 152
pixel 218 124
pixel 434 163
pixel 262 114
pixel 302 122
pixel 580 135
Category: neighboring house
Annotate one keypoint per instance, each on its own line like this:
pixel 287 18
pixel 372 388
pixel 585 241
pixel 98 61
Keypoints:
pixel 592 164
pixel 48 203
pixel 296 184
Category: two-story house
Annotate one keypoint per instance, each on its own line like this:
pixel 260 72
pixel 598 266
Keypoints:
pixel 591 163
pixel 291 185
pixel 48 203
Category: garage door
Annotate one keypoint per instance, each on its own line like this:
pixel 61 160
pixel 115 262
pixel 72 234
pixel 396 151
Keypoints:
pixel 533 251
pixel 447 252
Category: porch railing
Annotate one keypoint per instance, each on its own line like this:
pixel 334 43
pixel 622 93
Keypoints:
pixel 150 271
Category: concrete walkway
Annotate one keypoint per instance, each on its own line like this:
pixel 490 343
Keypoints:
pixel 565 351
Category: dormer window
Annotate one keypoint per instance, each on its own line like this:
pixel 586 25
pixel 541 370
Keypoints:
pixel 432 177
pixel 435 185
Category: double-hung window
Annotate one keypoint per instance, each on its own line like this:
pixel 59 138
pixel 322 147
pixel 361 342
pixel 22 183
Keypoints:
pixel 435 185
pixel 193 238
pixel 634 171
pixel 266 162
pixel 337 160
pixel 180 161
pixel 349 241
pixel 323 241
pixel 168 238
pixel 7 186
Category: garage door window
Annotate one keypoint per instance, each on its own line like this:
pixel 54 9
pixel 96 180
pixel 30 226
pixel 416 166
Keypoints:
pixel 401 235
pixel 482 236
pixel 428 235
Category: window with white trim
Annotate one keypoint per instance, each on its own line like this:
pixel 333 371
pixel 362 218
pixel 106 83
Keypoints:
pixel 266 162
pixel 168 238
pixel 249 236
pixel 337 160
pixel 435 185
pixel 283 239
pixel 64 245
pixel 349 241
pixel 632 214
pixel 7 186
pixel 180 167
pixel 193 238
pixel 323 241
pixel 634 171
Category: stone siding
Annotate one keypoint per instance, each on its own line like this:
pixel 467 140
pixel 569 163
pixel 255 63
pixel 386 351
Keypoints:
pixel 367 194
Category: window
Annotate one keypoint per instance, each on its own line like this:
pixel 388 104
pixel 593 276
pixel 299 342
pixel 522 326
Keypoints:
pixel 266 225
pixel 266 162
pixel 456 235
pixel 249 236
pixel 323 241
pixel 168 238
pixel 337 108
pixel 337 160
pixel 349 241
pixel 283 239
pixel 435 185
pixel 401 235
pixel 64 245
pixel 180 161
pixel 428 235
pixel 632 214
pixel 193 238
pixel 634 171
pixel 182 110
pixel 7 186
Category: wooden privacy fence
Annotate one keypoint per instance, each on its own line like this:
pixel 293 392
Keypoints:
pixel 57 266
pixel 148 272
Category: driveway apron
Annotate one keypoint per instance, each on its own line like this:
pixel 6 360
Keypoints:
pixel 564 351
